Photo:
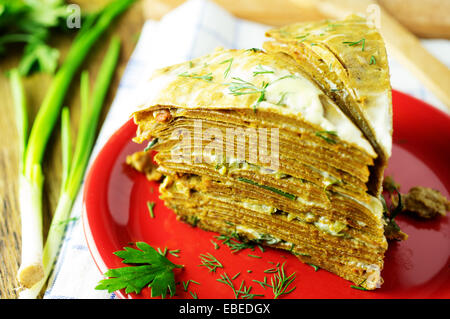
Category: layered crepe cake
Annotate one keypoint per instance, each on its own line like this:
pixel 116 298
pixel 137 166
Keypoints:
pixel 253 144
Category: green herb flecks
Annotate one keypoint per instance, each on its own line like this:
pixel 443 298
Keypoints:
pixel 151 144
pixel 210 262
pixel 242 87
pixel 362 41
pixel 193 294
pixel 207 77
pixel 260 70
pixel 302 36
pixel 150 206
pixel 225 279
pixel 186 284
pixel 263 283
pixel 270 188
pixel 153 270
pixel 227 70
pixel 359 287
pixel 216 245
pixel 280 282
pixel 325 135
pixel 282 97
pixel 316 268
pixel 372 60
pixel 233 242
pixel 254 50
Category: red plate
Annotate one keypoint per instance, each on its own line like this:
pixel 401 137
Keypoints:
pixel 116 215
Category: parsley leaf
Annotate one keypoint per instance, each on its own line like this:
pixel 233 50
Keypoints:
pixel 157 272
pixel 30 22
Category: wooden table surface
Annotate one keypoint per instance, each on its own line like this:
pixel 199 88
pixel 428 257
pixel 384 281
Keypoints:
pixel 127 27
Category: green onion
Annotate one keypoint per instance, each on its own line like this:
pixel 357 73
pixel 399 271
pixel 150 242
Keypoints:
pixel 74 168
pixel 270 188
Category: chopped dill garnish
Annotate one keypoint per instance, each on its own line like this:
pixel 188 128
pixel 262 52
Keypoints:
pixel 208 77
pixel 174 252
pixel 350 43
pixel 216 245
pixel 150 206
pixel 193 294
pixel 260 70
pixel 151 144
pixel 245 292
pixel 235 276
pixel 210 262
pixel 241 87
pixel 316 268
pixel 372 60
pixel 322 135
pixel 162 253
pixel 270 270
pixel 275 190
pixel 254 50
pixel 280 282
pixel 264 283
pixel 227 281
pixel 186 284
pixel 254 256
pixel 359 287
pixel 282 97
pixel 227 70
pixel 302 36
pixel 234 244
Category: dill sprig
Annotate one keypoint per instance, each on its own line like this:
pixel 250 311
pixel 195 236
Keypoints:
pixel 227 70
pixel 210 262
pixel 241 87
pixel 151 144
pixel 186 284
pixel 316 268
pixel 270 188
pixel 193 294
pixel 233 242
pixel 207 77
pixel 244 291
pixel 254 50
pixel 280 282
pixel 282 97
pixel 174 252
pixel 225 279
pixel 260 70
pixel 372 60
pixel 216 245
pixel 350 43
pixel 150 206
pixel 263 284
pixel 360 287
pixel 329 140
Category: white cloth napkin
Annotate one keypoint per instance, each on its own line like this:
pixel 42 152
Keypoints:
pixel 195 28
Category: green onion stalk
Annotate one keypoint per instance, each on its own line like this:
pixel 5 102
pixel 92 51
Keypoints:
pixel 74 167
pixel 31 178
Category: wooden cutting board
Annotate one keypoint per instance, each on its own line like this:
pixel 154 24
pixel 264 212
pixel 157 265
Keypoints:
pixel 430 18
